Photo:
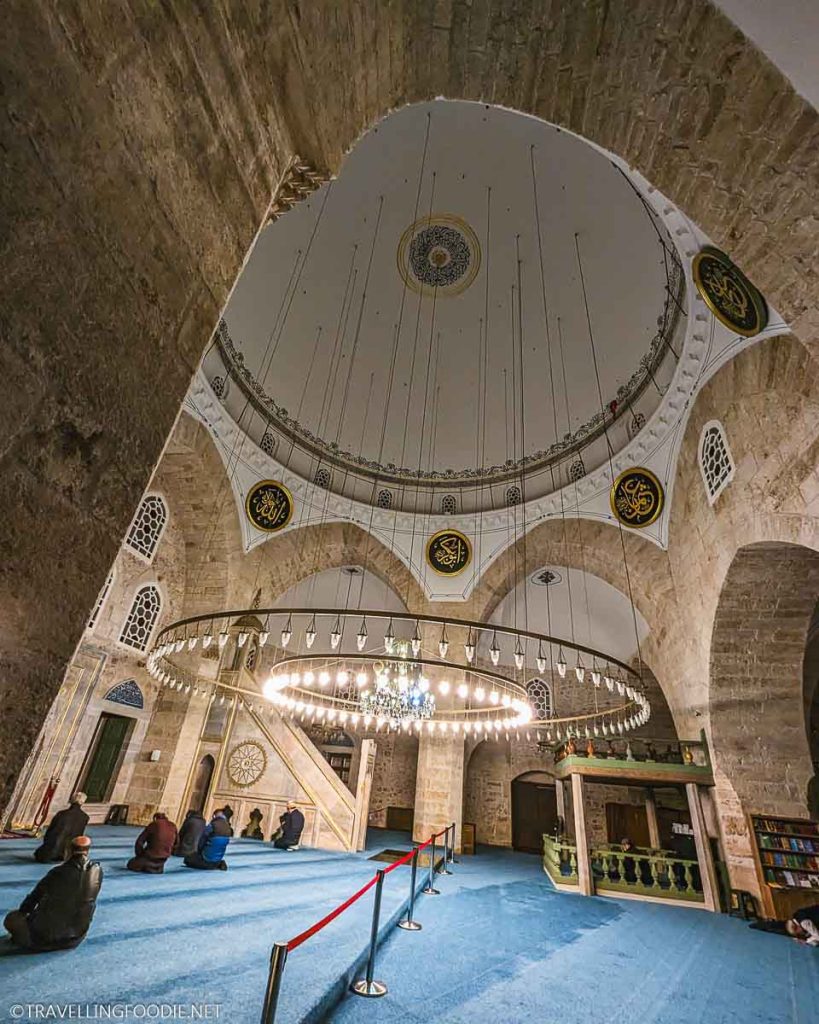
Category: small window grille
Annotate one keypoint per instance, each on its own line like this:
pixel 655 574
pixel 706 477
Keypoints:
pixel 219 387
pixel 449 506
pixel 384 499
pixel 322 478
pixel 513 496
pixel 147 526
pixel 636 424
pixel 577 470
pixel 716 463
pixel 268 443
pixel 142 618
pixel 103 594
pixel 539 693
pixel 250 660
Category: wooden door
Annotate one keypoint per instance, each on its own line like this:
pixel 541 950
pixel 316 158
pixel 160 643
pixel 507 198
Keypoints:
pixel 201 784
pixel 534 811
pixel 104 757
pixel 627 821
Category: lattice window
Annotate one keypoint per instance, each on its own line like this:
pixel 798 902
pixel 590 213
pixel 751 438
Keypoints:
pixel 322 478
pixel 219 387
pixel 384 499
pixel 577 470
pixel 268 443
pixel 147 526
pixel 250 660
pixel 103 594
pixel 127 693
pixel 716 464
pixel 636 424
pixel 142 618
pixel 513 496
pixel 539 693
pixel 449 506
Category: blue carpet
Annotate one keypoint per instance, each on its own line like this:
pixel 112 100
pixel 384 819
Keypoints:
pixel 501 945
pixel 201 937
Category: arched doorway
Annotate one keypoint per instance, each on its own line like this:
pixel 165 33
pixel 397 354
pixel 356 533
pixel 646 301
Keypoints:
pixel 201 784
pixel 534 811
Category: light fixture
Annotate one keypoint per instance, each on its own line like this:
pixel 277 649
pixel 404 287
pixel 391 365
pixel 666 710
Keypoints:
pixel 561 664
pixel 596 677
pixel 580 670
pixel 469 647
pixel 264 636
pixel 519 655
pixel 389 639
pixel 310 633
pixel 192 642
pixel 287 632
pixel 494 650
pixel 223 638
pixel 480 693
pixel 443 643
pixel 335 635
pixel 541 658
pixel 443 687
pixel 361 635
pixel 416 641
pixel 242 639
pixel 207 640
pixel 463 691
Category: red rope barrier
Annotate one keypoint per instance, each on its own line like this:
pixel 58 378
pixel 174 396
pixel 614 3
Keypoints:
pixel 311 931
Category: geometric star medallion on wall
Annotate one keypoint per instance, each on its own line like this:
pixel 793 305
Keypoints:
pixel 448 552
pixel 269 506
pixel 246 763
pixel 637 497
pixel 728 293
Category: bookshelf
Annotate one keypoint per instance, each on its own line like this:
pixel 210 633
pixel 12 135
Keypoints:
pixel 786 852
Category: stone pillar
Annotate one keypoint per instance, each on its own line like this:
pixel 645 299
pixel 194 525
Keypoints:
pixel 706 862
pixel 364 785
pixel 584 874
pixel 651 815
pixel 560 795
pixel 439 786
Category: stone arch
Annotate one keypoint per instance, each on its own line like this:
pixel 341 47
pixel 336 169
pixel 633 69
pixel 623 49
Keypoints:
pixel 676 90
pixel 757 688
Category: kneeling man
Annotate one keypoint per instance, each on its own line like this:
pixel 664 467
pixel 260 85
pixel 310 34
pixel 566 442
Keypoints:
pixel 57 913
pixel 292 826
pixel 153 846
pixel 213 843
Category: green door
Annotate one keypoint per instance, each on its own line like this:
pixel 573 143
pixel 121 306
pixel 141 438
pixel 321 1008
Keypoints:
pixel 106 750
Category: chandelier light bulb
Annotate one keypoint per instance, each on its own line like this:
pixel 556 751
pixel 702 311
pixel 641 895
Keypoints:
pixel 596 677
pixel 506 700
pixel 242 639
pixel 443 687
pixel 342 677
pixel 389 639
pixel 463 691
pixel 596 730
pixel 361 680
pixel 609 683
pixel 541 658
pixel 294 679
pixel 416 646
pixel 192 642
pixel 423 685
pixel 309 678
pixel 335 635
pixel 561 665
pixel 310 633
pixel 580 672
pixel 620 687
pixel 469 648
pixel 518 659
pixel 324 678
pixel 494 650
pixel 361 636
pixel 620 728
pixel 287 632
pixel 494 697
pixel 264 636
pixel 179 645
pixel 480 693
pixel 223 638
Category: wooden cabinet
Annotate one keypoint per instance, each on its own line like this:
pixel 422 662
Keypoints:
pixel 786 853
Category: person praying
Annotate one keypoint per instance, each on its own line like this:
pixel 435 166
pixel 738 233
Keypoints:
pixel 291 826
pixel 213 844
pixel 153 846
pixel 57 913
pixel 187 842
pixel 66 825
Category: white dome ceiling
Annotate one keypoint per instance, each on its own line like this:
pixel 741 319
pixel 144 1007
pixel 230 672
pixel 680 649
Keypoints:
pixel 317 308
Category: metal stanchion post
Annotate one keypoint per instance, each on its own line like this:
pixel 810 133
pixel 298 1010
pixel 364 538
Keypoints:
pixel 366 986
pixel 278 957
pixel 429 889
pixel 409 925
pixel 445 869
pixel 452 858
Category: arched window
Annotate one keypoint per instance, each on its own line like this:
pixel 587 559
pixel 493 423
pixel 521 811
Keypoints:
pixel 716 464
pixel 449 506
pixel 219 386
pixel 513 496
pixel 127 693
pixel 384 499
pixel 636 424
pixel 268 443
pixel 577 470
pixel 250 660
pixel 539 693
pixel 103 594
pixel 322 478
pixel 147 527
pixel 142 618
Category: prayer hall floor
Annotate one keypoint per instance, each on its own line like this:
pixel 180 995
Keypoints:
pixel 498 945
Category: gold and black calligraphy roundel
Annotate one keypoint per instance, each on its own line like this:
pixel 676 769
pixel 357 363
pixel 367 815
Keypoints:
pixel 637 497
pixel 269 506
pixel 449 552
pixel 728 293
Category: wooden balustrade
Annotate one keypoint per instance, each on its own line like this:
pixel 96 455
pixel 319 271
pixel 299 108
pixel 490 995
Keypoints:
pixel 655 873
pixel 560 860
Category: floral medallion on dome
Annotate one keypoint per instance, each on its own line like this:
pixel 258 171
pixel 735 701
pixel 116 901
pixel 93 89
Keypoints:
pixel 637 498
pixel 439 254
pixel 449 552
pixel 269 506
pixel 728 293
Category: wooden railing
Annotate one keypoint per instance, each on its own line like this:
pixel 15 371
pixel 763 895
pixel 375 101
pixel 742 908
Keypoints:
pixel 560 860
pixel 657 873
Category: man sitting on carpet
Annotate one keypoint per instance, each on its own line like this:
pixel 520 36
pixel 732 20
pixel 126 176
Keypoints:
pixel 57 913
pixel 187 841
pixel 210 853
pixel 291 828
pixel 153 846
pixel 65 826
pixel 804 925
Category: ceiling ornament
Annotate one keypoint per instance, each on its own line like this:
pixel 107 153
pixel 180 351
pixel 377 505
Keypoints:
pixel 246 764
pixel 728 293
pixel 439 254
pixel 637 498
pixel 269 506
pixel 449 552
pixel 299 181
pixel 391 681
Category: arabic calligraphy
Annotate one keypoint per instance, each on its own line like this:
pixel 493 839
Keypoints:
pixel 449 552
pixel 637 498
pixel 269 506
pixel 728 292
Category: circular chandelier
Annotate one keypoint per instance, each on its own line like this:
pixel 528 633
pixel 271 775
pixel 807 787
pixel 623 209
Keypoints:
pixel 391 682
